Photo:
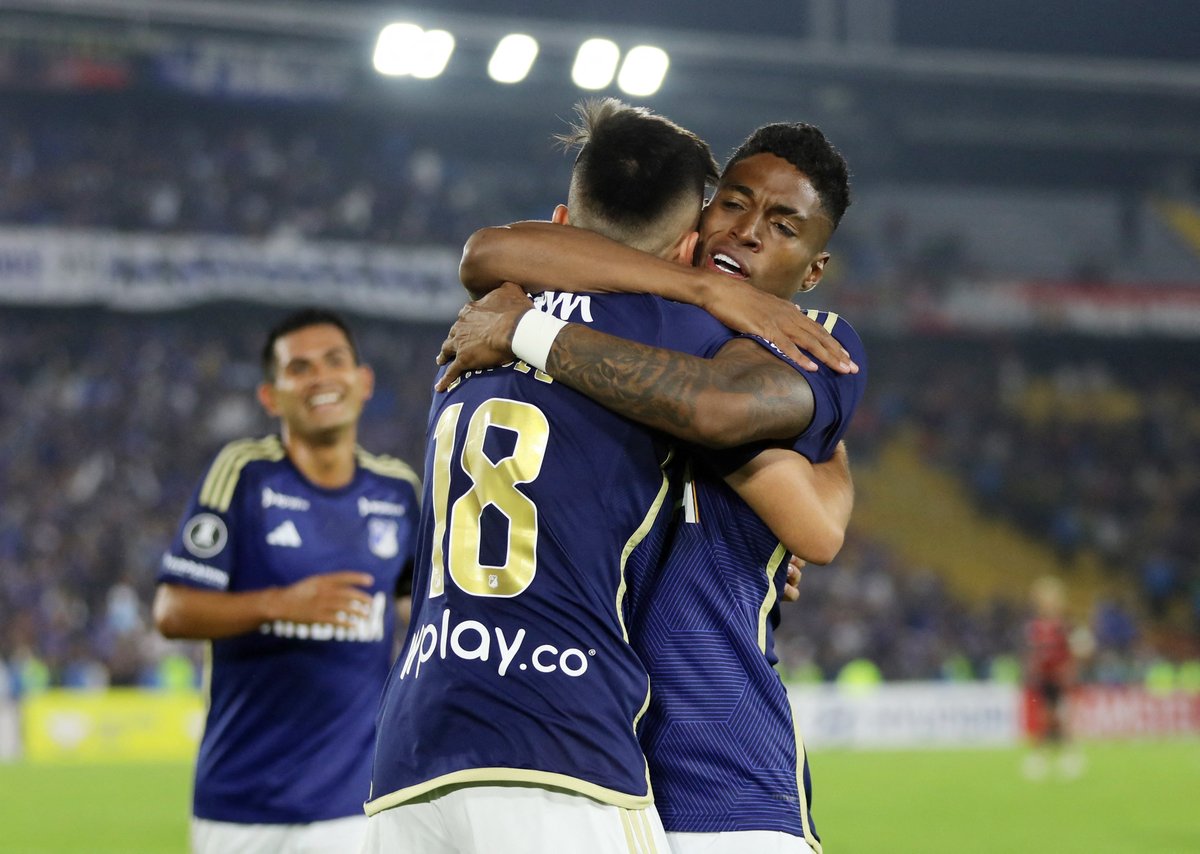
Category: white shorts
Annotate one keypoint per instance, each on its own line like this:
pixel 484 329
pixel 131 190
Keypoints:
pixel 336 836
pixel 740 842
pixel 513 819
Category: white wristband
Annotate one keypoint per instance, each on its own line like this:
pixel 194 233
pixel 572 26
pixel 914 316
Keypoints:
pixel 534 336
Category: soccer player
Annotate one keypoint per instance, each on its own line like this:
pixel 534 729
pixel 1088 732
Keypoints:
pixel 1049 674
pixel 508 723
pixel 728 772
pixel 288 561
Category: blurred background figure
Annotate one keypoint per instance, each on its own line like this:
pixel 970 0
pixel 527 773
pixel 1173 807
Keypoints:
pixel 1050 672
pixel 289 562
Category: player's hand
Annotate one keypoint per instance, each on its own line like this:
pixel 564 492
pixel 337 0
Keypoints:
pixel 791 588
pixel 482 335
pixel 331 597
pixel 743 307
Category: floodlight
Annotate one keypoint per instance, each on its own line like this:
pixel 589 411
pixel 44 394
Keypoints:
pixel 595 64
pixel 407 49
pixel 643 70
pixel 433 54
pixel 396 47
pixel 512 59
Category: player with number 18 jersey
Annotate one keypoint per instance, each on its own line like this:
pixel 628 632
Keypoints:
pixel 537 502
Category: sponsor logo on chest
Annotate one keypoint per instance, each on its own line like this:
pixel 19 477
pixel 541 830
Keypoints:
pixel 271 498
pixel 368 628
pixel 471 640
pixel 367 507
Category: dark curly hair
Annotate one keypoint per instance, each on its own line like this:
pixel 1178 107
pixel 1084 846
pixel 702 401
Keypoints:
pixel 806 148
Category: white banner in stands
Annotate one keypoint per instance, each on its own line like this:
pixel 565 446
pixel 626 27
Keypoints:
pixel 40 266
pixel 1123 712
pixel 1099 309
pixel 915 714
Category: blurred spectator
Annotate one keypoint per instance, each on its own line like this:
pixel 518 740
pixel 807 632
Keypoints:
pixel 1092 448
pixel 128 167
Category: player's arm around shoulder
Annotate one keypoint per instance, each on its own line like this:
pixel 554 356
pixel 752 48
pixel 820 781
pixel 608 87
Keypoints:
pixel 555 256
pixel 754 395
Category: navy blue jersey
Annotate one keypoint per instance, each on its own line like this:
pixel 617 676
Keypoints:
pixel 537 503
pixel 723 751
pixel 291 713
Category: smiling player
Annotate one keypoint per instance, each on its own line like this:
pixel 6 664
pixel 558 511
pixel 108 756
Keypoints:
pixel 288 561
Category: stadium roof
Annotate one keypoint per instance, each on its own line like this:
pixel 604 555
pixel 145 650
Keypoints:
pixel 1023 91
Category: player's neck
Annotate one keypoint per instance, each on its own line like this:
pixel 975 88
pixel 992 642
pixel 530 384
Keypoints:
pixel 330 465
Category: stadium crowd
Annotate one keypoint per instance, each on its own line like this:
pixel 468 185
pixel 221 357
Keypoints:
pixel 1089 446
pixel 114 413
pixel 1094 448
pixel 259 174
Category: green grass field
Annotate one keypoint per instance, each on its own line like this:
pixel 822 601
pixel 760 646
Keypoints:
pixel 1134 797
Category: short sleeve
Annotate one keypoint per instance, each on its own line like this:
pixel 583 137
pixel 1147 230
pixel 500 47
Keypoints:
pixel 202 552
pixel 835 398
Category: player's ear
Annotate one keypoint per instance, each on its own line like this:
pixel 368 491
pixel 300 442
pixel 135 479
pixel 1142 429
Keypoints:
pixel 815 270
pixel 266 396
pixel 368 381
pixel 685 249
pixel 560 215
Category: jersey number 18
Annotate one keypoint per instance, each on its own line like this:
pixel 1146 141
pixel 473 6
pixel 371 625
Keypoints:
pixel 492 483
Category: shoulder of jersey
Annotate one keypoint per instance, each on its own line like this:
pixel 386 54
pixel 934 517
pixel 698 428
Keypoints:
pixel 388 467
pixel 831 320
pixel 221 481
pixel 838 327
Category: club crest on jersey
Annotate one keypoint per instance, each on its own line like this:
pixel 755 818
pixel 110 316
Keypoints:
pixel 205 535
pixel 382 537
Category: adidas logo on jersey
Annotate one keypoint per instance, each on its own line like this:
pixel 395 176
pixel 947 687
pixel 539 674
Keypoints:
pixel 285 535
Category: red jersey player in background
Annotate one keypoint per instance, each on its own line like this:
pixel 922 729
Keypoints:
pixel 1049 676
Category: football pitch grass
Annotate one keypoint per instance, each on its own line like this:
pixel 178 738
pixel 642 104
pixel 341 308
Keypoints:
pixel 1132 797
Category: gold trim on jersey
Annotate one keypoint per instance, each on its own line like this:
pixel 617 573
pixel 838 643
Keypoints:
pixel 216 492
pixel 831 318
pixel 639 834
pixel 484 776
pixel 388 467
pixel 206 668
pixel 639 534
pixel 634 541
pixel 773 562
pixel 801 755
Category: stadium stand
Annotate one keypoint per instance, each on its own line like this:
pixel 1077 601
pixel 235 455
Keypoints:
pixel 1084 445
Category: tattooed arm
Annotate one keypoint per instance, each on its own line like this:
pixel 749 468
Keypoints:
pixel 741 395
